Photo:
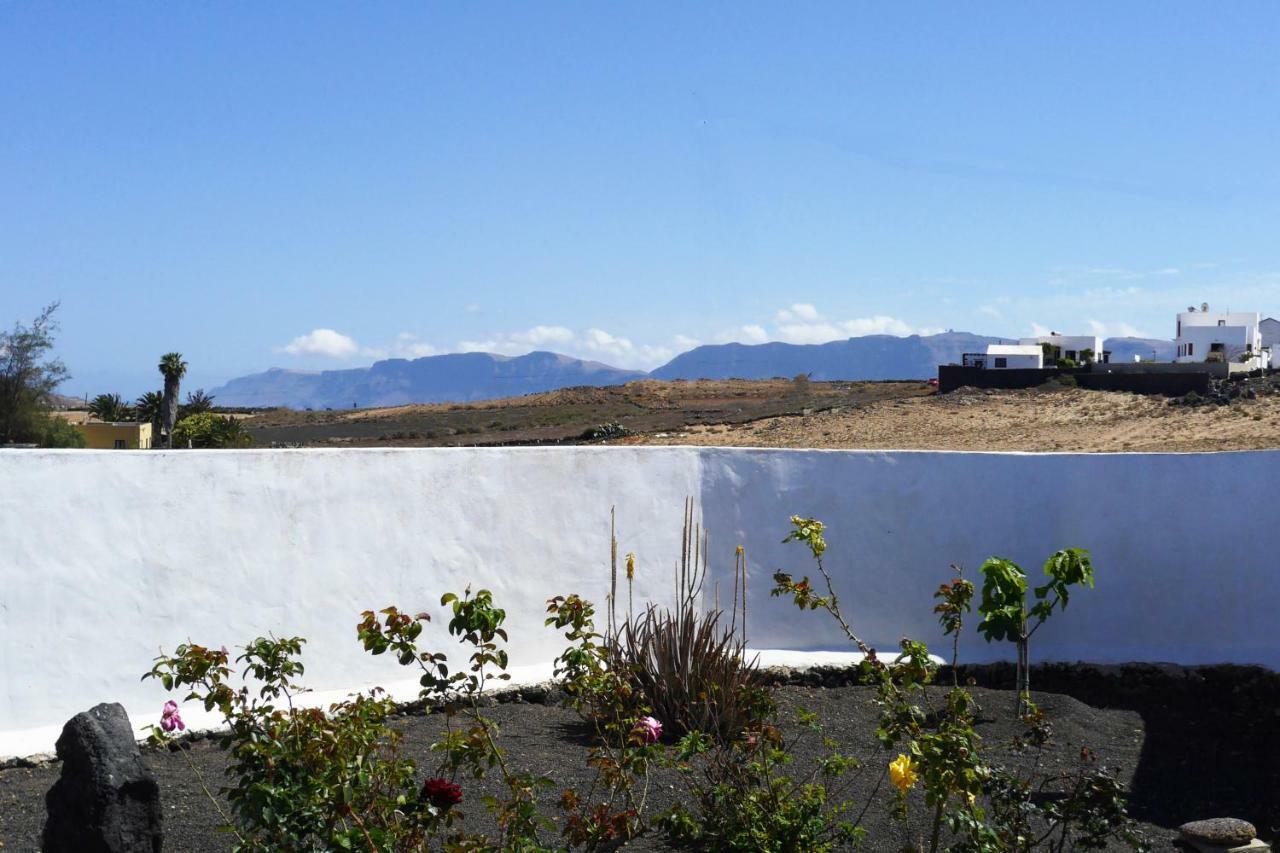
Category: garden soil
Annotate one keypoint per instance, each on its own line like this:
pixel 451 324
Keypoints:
pixel 549 739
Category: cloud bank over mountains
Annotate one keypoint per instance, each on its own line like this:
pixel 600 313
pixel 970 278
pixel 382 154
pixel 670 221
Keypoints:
pixel 800 323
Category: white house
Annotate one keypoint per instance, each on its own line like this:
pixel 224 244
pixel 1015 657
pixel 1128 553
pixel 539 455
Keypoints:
pixel 1232 337
pixel 1270 329
pixel 1078 348
pixel 1005 357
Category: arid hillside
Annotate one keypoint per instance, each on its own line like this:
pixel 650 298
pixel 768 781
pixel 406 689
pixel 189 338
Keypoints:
pixel 790 413
pixel 570 415
pixel 1029 420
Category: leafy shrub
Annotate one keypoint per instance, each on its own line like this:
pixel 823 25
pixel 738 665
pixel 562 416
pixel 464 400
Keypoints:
pixel 742 799
pixel 300 778
pixel 53 431
pixel 600 432
pixel 626 735
pixel 205 429
pixel 334 779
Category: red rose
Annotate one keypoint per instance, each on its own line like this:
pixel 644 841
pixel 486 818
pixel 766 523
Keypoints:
pixel 441 793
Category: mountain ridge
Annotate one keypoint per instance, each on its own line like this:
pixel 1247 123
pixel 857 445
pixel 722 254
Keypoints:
pixel 469 377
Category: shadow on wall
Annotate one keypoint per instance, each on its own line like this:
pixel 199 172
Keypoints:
pixel 1212 746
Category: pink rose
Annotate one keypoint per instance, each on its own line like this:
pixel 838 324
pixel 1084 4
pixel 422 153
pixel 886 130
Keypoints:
pixel 649 729
pixel 170 719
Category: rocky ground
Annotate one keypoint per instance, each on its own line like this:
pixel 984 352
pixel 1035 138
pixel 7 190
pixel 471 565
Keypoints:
pixel 569 415
pixel 1236 415
pixel 1232 417
pixel 547 738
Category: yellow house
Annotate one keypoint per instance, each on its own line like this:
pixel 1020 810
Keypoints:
pixel 100 435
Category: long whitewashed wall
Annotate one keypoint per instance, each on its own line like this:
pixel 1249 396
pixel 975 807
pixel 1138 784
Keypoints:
pixel 108 557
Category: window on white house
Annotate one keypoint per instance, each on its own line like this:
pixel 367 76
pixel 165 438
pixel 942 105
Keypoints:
pixel 1071 354
pixel 1191 349
pixel 1002 362
pixel 1222 322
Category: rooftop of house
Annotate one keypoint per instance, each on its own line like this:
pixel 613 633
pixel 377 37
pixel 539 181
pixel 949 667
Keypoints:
pixel 1014 349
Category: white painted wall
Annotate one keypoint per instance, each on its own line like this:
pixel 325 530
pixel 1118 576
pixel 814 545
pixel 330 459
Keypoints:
pixel 108 557
pixel 1238 332
pixel 1070 345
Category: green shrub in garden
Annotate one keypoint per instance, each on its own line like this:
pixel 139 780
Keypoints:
pixel 939 749
pixel 299 778
pixel 333 779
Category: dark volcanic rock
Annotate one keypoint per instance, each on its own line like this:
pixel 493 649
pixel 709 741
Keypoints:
pixel 1224 831
pixel 106 798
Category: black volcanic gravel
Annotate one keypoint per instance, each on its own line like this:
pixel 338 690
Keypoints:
pixel 549 739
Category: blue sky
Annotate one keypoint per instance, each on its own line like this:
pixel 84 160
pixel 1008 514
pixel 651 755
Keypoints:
pixel 320 185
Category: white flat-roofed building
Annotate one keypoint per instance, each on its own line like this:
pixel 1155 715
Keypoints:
pixel 1270 329
pixel 1234 337
pixel 1006 357
pixel 1078 348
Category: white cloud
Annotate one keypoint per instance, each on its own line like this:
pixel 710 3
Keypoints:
pixel 327 343
pixel 803 324
pixel 754 334
pixel 990 311
pixel 519 343
pixel 1039 331
pixel 600 341
pixel 593 343
pixel 322 342
pixel 407 345
pixel 1116 273
pixel 684 342
pixel 803 311
pixel 1115 330
pixel 542 335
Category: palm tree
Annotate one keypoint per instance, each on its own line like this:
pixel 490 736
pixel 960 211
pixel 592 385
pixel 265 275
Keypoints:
pixel 110 408
pixel 149 408
pixel 173 368
pixel 197 402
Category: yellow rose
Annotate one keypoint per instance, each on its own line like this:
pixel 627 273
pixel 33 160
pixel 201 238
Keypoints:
pixel 902 773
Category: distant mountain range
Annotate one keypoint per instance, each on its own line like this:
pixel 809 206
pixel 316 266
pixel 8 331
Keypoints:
pixel 458 377
pixel 463 377
pixel 868 357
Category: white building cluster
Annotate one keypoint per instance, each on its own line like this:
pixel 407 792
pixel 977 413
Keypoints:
pixel 1241 340
pixel 1223 336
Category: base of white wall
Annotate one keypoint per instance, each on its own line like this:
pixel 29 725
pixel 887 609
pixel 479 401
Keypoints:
pixel 37 745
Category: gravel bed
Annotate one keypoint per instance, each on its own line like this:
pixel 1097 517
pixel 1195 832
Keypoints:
pixel 550 739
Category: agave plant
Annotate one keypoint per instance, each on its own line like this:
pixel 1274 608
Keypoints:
pixel 686 664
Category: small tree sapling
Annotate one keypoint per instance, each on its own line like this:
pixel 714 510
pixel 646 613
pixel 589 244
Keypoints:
pixel 1004 606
